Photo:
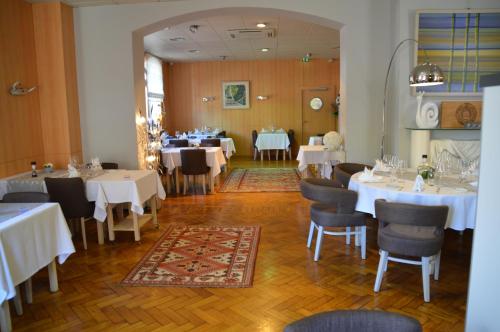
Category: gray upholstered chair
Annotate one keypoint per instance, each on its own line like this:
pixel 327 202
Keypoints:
pixel 343 172
pixel 178 143
pixel 210 142
pixel 26 197
pixel 333 207
pixel 291 138
pixel 108 165
pixel 194 162
pixel 355 321
pixel 410 230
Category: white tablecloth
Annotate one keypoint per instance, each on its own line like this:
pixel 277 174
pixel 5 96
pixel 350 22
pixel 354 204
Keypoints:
pixel 315 140
pixel 227 145
pixel 113 186
pixel 272 141
pixel 215 159
pixel 31 236
pixel 318 155
pixel 462 206
pixel 121 186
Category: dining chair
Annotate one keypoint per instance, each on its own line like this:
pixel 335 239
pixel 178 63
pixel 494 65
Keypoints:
pixel 291 138
pixel 222 134
pixel 343 172
pixel 109 165
pixel 70 194
pixel 355 321
pixel 179 143
pixel 194 162
pixel 254 140
pixel 26 197
pixel 210 142
pixel 333 207
pixel 410 230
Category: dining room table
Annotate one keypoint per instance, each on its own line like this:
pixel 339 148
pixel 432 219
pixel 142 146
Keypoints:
pixel 272 140
pixel 460 197
pixel 32 237
pixel 107 188
pixel 320 156
pixel 226 144
pixel 171 158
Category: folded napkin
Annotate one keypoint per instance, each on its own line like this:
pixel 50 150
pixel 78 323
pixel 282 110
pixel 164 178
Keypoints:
pixel 72 171
pixel 380 166
pixel 419 184
pixel 96 163
pixel 263 130
pixel 368 176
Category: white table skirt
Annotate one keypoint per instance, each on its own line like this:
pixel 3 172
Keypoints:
pixel 272 141
pixel 214 156
pixel 123 186
pixel 31 236
pixel 462 206
pixel 113 186
pixel 315 140
pixel 227 145
pixel 318 155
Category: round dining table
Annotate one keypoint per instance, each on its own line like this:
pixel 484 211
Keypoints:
pixel 461 198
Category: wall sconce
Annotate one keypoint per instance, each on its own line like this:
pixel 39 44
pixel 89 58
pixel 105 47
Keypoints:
pixel 207 99
pixel 262 97
pixel 17 90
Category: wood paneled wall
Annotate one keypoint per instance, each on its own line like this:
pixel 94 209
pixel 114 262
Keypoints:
pixel 37 49
pixel 20 128
pixel 281 80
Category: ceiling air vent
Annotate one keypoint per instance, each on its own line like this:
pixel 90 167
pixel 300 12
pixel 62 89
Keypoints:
pixel 251 33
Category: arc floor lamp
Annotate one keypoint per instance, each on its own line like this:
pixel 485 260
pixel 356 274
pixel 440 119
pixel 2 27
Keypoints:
pixel 426 74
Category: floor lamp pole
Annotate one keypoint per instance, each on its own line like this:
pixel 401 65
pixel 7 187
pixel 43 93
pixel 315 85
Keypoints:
pixel 382 143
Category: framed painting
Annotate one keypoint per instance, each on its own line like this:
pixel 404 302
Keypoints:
pixel 465 44
pixel 235 95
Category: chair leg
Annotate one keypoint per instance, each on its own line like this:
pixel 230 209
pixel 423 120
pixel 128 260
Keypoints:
pixel 380 271
pixel 203 184
pixel 356 236
pixel 290 153
pixel 84 235
pixel 185 183
pixel 311 234
pixel 363 242
pixel 254 153
pixel 437 264
pixel 319 240
pixel 28 291
pixel 425 279
pixel 18 304
pixel 348 235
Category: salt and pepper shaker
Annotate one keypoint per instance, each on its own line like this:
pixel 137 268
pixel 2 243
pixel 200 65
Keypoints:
pixel 33 169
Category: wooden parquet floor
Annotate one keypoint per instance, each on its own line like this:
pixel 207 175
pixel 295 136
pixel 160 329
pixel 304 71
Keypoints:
pixel 288 284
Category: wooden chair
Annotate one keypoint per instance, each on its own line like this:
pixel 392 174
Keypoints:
pixel 194 162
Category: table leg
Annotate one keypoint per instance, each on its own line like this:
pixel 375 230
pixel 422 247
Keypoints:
pixel 277 154
pixel 261 156
pixel 18 304
pixel 28 291
pixel 5 323
pixel 177 180
pixel 153 211
pixel 111 231
pixel 54 286
pixel 137 234
pixel 212 180
pixel 284 154
pixel 100 232
pixel 169 185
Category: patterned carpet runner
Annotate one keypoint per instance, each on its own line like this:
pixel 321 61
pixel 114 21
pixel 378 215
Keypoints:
pixel 242 180
pixel 199 256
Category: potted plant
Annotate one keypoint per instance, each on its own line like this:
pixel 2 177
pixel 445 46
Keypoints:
pixel 48 168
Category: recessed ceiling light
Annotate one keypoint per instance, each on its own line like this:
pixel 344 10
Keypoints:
pixel 194 51
pixel 261 25
pixel 177 39
pixel 265 49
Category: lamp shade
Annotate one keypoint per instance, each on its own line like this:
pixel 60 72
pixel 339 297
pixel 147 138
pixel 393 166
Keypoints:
pixel 426 74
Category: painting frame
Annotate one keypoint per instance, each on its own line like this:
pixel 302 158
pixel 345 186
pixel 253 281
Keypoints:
pixel 243 101
pixel 451 92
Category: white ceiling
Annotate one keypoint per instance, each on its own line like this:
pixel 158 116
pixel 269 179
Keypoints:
pixel 293 39
pixel 86 3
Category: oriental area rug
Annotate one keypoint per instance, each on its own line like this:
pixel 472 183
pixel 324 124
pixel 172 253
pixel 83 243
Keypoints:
pixel 199 256
pixel 247 180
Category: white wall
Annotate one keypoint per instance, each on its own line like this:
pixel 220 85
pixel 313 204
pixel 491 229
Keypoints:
pixel 484 293
pixel 105 67
pixel 403 105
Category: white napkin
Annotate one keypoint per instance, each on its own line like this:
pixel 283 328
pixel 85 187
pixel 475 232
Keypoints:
pixel 184 136
pixel 367 176
pixel 72 171
pixel 419 184
pixel 263 130
pixel 96 163
pixel 380 166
